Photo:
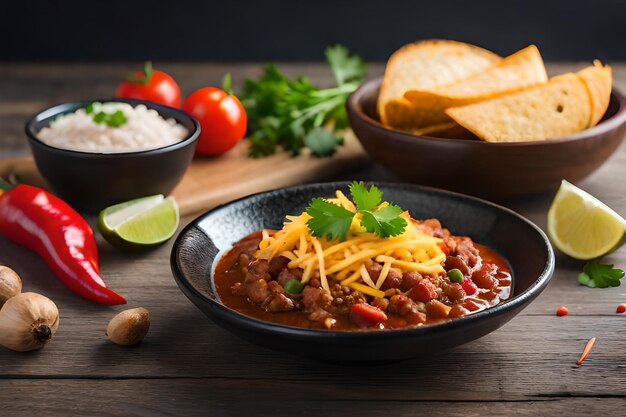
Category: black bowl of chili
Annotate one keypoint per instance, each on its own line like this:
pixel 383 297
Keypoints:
pixel 525 247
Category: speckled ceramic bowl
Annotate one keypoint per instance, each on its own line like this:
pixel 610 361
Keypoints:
pixel 90 181
pixel 523 244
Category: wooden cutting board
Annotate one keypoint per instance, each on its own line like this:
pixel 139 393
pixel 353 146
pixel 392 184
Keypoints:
pixel 213 181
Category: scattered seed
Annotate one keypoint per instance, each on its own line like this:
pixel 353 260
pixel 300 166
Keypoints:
pixel 586 351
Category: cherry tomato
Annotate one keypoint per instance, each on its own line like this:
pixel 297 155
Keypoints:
pixel 151 85
pixel 221 116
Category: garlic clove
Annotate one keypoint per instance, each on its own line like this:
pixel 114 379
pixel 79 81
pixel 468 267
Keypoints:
pixel 129 327
pixel 10 284
pixel 28 321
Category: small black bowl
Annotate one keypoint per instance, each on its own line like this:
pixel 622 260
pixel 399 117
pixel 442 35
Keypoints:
pixel 90 181
pixel 523 244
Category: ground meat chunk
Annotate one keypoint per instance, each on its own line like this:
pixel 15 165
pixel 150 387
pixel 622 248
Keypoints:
pixel 257 291
pixel 315 298
pixel 323 317
pixel 257 269
pixel 279 302
pixel 277 264
pixel 466 251
pixel 433 227
pixel 287 275
pixel 344 297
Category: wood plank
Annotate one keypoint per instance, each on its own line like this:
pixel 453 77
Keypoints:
pixel 225 396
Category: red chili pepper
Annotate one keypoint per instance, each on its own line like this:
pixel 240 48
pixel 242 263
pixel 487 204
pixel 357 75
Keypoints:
pixel 38 220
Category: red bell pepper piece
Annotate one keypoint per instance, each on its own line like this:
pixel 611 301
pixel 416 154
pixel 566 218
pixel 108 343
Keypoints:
pixel 366 315
pixel 42 222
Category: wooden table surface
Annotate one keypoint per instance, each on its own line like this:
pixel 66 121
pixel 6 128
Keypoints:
pixel 189 366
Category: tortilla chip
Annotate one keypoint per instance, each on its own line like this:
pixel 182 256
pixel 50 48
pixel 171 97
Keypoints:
pixel 515 72
pixel 599 80
pixel 551 110
pixel 449 130
pixel 426 65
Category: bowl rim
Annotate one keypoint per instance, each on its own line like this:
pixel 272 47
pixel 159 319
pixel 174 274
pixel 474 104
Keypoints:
pixel 353 104
pixel 256 325
pixel 71 106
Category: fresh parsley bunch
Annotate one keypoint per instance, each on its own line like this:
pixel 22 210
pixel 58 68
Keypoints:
pixel 295 113
pixel 333 221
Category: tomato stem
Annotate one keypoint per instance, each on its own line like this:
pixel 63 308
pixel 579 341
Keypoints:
pixel 147 75
pixel 5 185
pixel 227 84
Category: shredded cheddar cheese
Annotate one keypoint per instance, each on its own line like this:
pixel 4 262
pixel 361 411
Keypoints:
pixel 347 262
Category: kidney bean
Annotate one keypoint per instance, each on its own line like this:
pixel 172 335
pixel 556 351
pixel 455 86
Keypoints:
pixel 410 279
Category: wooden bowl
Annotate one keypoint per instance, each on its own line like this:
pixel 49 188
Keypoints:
pixel 491 170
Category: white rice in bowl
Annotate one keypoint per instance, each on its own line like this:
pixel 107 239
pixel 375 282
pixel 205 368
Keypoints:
pixel 144 129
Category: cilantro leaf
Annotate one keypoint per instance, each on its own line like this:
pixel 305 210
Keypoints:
pixel 333 221
pixel 321 142
pixel 283 112
pixel 363 198
pixel 328 220
pixel 597 275
pixel 384 222
pixel 346 68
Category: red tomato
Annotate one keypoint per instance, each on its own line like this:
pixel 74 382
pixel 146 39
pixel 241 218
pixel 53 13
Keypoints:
pixel 156 86
pixel 365 315
pixel 221 116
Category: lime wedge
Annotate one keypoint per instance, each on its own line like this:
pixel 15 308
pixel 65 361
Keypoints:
pixel 140 223
pixel 582 226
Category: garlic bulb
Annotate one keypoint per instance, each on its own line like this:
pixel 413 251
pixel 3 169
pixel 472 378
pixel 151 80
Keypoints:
pixel 28 321
pixel 129 327
pixel 10 284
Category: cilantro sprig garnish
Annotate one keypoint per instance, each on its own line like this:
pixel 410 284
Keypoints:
pixel 115 119
pixel 597 275
pixel 293 113
pixel 333 221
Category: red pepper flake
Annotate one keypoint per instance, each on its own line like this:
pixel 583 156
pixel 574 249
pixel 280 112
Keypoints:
pixel 562 311
pixel 621 308
pixel 586 351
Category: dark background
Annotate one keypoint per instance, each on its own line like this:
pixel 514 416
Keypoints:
pixel 113 30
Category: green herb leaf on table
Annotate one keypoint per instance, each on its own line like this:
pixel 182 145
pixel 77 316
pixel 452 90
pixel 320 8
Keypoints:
pixel 333 221
pixel 328 220
pixel 284 112
pixel 597 275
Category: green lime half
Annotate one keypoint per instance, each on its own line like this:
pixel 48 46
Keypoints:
pixel 140 223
